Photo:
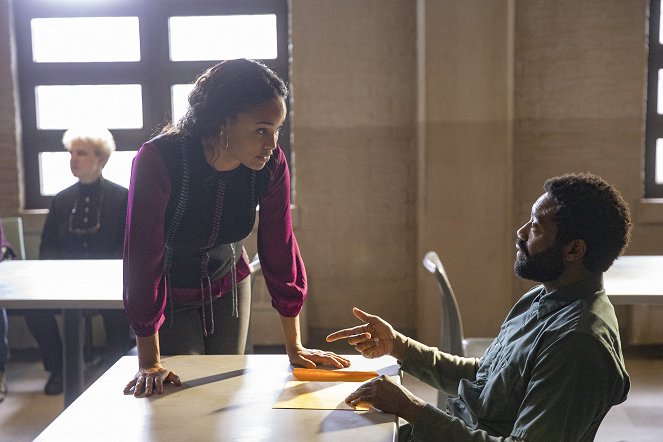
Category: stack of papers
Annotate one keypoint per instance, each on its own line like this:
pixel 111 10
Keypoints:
pixel 319 389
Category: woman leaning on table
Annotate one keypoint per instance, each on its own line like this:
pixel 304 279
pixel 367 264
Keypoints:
pixel 192 201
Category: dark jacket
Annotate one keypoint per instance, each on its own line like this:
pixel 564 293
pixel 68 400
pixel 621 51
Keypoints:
pixel 64 237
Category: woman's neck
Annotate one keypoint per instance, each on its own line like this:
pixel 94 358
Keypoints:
pixel 218 158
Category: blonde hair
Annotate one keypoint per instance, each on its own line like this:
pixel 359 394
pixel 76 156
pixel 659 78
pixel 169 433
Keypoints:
pixel 100 138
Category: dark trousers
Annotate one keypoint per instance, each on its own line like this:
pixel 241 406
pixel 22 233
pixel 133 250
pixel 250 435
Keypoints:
pixel 182 331
pixel 44 328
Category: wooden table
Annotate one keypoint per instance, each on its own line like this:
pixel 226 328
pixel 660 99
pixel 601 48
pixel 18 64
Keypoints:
pixel 635 280
pixel 71 285
pixel 224 398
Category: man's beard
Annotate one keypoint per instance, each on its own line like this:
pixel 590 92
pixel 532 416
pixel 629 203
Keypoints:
pixel 544 266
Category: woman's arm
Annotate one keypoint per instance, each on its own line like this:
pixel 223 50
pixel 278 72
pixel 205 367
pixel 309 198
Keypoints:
pixel 280 259
pixel 144 286
pixel 283 267
pixel 299 355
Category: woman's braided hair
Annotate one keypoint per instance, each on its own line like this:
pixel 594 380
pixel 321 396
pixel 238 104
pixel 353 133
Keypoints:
pixel 224 91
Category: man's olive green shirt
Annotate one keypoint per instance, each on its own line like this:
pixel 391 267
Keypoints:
pixel 552 373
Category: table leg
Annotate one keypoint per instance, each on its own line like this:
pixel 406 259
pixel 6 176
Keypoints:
pixel 74 337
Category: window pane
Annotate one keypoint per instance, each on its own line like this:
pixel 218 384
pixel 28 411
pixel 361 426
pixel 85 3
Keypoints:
pixel 179 94
pixel 85 39
pixel 55 174
pixel 659 162
pixel 222 37
pixel 115 106
pixel 118 169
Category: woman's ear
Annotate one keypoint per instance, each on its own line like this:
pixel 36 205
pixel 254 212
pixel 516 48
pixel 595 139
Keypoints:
pixel 575 250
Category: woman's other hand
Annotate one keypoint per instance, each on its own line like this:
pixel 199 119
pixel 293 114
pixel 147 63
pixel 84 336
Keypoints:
pixel 310 358
pixel 149 379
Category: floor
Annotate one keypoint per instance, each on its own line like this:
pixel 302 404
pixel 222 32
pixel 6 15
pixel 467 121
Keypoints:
pixel 27 411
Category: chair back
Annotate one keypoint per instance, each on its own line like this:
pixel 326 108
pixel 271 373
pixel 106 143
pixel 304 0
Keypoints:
pixel 452 338
pixel 13 228
pixel 452 325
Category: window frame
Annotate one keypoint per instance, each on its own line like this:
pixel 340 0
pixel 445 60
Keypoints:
pixel 154 48
pixel 654 121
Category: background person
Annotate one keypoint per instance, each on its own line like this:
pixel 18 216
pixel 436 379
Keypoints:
pixel 192 201
pixel 85 221
pixel 556 367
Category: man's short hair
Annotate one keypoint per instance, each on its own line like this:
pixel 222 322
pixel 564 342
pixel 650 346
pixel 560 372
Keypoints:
pixel 590 209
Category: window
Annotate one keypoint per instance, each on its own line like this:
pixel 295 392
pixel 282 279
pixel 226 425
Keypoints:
pixel 654 132
pixel 127 65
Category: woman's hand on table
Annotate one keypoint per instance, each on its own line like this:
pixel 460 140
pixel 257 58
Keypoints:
pixel 147 379
pixel 310 358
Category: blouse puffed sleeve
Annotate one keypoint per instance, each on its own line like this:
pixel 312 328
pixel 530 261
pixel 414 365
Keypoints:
pixel 280 259
pixel 144 285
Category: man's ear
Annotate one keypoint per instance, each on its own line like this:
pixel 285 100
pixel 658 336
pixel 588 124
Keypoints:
pixel 575 250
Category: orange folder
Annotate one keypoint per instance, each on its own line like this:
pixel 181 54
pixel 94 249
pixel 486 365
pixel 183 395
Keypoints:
pixel 318 375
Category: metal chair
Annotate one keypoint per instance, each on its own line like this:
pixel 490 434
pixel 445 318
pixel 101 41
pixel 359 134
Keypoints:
pixel 453 340
pixel 13 228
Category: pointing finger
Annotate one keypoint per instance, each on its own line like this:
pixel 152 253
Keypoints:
pixel 363 316
pixel 346 333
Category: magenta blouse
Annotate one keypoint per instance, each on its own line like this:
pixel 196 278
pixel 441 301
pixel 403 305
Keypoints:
pixel 145 291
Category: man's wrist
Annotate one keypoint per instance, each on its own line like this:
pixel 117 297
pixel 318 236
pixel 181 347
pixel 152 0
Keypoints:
pixel 414 410
pixel 400 346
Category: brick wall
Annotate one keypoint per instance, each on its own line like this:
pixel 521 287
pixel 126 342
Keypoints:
pixel 10 164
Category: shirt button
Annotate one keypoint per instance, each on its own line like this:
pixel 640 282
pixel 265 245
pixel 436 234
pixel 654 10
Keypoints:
pixel 87 209
pixel 87 199
pixel 85 244
pixel 85 219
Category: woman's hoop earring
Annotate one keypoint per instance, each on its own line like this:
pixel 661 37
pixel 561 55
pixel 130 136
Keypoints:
pixel 222 133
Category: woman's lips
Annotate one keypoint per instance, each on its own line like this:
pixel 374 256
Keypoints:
pixel 266 157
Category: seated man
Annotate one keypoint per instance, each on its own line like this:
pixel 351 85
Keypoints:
pixel 556 367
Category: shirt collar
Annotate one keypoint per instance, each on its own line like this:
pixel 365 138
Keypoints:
pixel 563 296
pixel 90 188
